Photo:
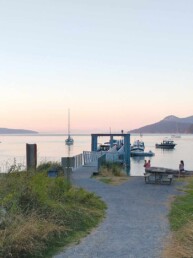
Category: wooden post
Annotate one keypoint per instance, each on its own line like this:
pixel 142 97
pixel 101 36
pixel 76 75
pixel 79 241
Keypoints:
pixel 67 164
pixel 31 156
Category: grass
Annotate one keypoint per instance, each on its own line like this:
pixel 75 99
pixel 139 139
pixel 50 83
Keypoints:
pixel 181 221
pixel 106 180
pixel 112 173
pixel 39 215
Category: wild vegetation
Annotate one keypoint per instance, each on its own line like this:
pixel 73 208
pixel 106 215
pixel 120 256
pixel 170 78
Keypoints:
pixel 181 221
pixel 39 214
pixel 112 173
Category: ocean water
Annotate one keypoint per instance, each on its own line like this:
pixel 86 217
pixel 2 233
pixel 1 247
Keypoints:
pixel 51 147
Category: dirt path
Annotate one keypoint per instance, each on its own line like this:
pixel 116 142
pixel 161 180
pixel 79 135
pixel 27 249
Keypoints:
pixel 136 223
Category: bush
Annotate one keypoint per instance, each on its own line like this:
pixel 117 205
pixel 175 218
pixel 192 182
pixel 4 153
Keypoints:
pixel 109 169
pixel 181 222
pixel 45 167
pixel 43 213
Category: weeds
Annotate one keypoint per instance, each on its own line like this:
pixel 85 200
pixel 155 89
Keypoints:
pixel 43 213
pixel 181 221
pixel 106 180
pixel 115 169
pixel 112 173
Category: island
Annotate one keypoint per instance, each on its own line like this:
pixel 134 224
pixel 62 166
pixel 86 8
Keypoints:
pixel 16 131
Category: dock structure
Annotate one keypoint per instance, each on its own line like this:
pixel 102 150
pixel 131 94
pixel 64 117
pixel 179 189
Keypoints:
pixel 126 138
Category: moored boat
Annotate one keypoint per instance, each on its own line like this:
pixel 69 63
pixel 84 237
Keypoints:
pixel 138 146
pixel 108 145
pixel 69 140
pixel 104 147
pixel 138 149
pixel 176 136
pixel 166 144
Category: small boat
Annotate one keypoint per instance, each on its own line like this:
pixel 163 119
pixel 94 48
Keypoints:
pixel 69 140
pixel 176 136
pixel 166 144
pixel 104 147
pixel 114 142
pixel 107 145
pixel 138 149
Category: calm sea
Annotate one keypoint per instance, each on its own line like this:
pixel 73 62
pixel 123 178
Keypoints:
pixel 52 147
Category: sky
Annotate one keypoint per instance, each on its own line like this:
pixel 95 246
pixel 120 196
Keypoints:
pixel 117 65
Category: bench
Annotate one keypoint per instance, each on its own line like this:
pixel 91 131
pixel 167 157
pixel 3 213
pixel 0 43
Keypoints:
pixel 167 179
pixel 146 176
pixel 170 177
pixel 159 179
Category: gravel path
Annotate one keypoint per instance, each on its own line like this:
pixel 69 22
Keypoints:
pixel 136 223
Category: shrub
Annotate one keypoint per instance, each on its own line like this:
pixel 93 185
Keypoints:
pixel 43 213
pixel 45 167
pixel 109 169
pixel 181 222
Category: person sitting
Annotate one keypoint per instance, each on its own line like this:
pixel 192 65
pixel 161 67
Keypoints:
pixel 181 167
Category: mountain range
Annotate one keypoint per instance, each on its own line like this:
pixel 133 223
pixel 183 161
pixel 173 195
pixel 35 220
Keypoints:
pixel 16 131
pixel 170 124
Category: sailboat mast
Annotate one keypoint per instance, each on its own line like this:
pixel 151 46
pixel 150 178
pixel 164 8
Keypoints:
pixel 69 140
pixel 68 122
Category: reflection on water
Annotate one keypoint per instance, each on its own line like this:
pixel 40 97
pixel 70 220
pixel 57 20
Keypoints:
pixel 166 150
pixel 69 147
pixel 138 159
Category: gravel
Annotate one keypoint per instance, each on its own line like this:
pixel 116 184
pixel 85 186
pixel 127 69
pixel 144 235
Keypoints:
pixel 136 223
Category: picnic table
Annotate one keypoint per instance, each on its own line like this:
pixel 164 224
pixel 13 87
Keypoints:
pixel 158 175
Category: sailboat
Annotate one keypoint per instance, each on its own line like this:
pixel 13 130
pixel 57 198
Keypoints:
pixel 176 135
pixel 69 140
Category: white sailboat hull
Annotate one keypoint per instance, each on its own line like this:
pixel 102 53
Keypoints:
pixel 69 140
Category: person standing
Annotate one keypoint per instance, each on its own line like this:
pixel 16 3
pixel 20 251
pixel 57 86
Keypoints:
pixel 148 164
pixel 145 163
pixel 145 166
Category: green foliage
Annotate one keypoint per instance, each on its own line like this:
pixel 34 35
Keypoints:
pixel 181 221
pixel 182 208
pixel 114 169
pixel 45 166
pixel 50 165
pixel 43 212
pixel 106 180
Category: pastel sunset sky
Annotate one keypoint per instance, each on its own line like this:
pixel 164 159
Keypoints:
pixel 115 64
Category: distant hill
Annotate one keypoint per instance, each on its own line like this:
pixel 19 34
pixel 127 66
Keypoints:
pixel 170 124
pixel 16 131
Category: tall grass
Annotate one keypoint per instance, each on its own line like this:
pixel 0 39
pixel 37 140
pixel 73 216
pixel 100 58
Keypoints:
pixel 181 221
pixel 111 169
pixel 38 214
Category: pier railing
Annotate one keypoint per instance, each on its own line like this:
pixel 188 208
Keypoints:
pixel 19 163
pixel 91 157
pixel 78 161
pixel 85 158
